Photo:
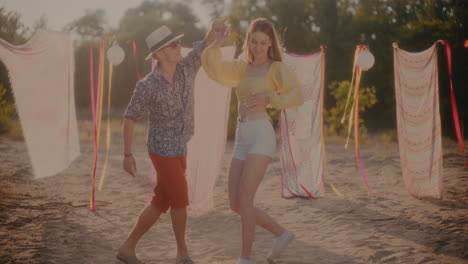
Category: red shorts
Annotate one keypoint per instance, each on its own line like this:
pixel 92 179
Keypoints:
pixel 171 189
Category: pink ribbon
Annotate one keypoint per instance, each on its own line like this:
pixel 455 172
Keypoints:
pixel 92 204
pixel 456 118
pixel 359 162
pixel 134 49
pixel 95 105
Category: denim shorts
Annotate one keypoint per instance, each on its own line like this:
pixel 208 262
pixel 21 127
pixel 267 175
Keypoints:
pixel 254 137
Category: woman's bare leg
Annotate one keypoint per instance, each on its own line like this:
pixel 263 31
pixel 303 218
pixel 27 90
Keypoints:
pixel 244 179
pixel 262 218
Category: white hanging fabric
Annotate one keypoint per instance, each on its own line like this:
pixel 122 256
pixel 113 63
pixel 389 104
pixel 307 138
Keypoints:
pixel 418 119
pixel 301 145
pixel 206 148
pixel 42 79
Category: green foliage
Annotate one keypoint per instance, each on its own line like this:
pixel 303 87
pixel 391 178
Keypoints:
pixel 415 25
pixel 40 24
pixel 274 115
pixel 12 31
pixel 303 26
pixel 389 137
pixel 136 24
pixel 7 111
pixel 15 131
pixel 8 118
pixel 339 92
pixel 233 111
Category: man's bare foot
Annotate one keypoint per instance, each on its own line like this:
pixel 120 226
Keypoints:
pixel 184 260
pixel 183 256
pixel 126 250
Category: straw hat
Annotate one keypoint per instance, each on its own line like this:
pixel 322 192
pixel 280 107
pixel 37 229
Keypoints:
pixel 159 39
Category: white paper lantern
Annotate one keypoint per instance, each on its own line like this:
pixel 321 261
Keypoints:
pixel 115 54
pixel 365 60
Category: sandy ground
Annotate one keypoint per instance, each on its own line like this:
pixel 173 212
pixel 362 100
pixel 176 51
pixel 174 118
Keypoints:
pixel 46 220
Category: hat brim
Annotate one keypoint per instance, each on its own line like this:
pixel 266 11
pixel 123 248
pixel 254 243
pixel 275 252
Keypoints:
pixel 163 46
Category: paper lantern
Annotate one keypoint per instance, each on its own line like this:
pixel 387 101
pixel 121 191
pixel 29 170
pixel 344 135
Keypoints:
pixel 115 54
pixel 365 60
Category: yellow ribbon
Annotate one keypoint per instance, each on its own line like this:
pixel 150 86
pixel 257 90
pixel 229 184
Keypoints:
pixel 108 132
pixel 322 130
pixel 351 90
pixel 101 90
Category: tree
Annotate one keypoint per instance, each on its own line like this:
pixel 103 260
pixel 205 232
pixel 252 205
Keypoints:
pixel 12 31
pixel 90 27
pixel 136 24
pixel 40 24
pixel 342 24
pixel 415 25
pixel 92 23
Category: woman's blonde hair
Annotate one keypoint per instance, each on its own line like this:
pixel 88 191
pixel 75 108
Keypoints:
pixel 263 25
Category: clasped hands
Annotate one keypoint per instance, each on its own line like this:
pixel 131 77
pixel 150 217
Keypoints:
pixel 254 103
pixel 218 33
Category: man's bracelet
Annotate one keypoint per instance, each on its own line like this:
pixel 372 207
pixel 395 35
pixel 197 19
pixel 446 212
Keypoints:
pixel 128 154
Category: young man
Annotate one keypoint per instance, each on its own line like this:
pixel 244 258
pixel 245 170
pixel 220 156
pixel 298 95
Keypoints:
pixel 167 95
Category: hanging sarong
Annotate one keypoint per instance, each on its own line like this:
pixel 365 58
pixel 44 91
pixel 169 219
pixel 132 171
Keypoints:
pixel 41 74
pixel 206 148
pixel 301 144
pixel 418 119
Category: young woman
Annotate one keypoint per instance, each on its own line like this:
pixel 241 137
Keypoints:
pixel 260 81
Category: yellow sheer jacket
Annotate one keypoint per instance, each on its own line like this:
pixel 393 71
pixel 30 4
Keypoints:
pixel 280 83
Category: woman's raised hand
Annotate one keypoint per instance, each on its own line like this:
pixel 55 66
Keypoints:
pixel 222 31
pixel 219 25
pixel 217 28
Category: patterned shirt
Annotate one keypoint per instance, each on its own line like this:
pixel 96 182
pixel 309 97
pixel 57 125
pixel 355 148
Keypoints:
pixel 169 108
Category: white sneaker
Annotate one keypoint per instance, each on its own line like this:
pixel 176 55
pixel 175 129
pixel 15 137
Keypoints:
pixel 244 261
pixel 280 244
